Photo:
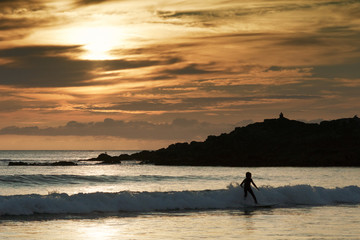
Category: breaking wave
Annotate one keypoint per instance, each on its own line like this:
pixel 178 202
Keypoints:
pixel 127 201
pixel 63 179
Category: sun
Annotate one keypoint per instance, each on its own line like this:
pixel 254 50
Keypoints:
pixel 98 41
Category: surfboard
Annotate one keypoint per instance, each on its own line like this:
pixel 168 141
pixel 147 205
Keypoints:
pixel 260 205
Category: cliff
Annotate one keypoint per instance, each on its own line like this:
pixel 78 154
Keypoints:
pixel 274 142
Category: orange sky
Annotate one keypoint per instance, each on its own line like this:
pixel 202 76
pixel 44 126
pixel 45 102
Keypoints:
pixel 136 74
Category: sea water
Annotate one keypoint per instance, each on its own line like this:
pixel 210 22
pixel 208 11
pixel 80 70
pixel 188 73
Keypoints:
pixel 135 201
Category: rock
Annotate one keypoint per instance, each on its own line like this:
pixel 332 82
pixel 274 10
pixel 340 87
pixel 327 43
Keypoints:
pixel 60 163
pixel 63 163
pixel 18 164
pixel 104 158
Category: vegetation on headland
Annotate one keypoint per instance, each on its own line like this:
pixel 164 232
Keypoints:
pixel 274 142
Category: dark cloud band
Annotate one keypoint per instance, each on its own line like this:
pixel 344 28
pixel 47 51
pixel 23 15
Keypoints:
pixel 47 66
pixel 177 129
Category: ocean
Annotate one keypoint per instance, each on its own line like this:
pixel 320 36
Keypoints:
pixel 135 201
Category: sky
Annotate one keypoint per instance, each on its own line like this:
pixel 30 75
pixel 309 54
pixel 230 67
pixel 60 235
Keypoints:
pixel 138 74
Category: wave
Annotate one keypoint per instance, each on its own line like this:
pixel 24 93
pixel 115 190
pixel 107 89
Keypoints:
pixel 126 201
pixel 62 179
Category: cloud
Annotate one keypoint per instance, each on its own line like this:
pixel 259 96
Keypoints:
pixel 16 100
pixel 309 40
pixel 47 66
pixel 178 129
pixel 10 106
pixel 34 67
pixel 193 104
pixel 216 14
pixel 89 2
pixel 215 61
pixel 190 69
pixel 19 6
pixel 9 24
pixel 19 15
pixel 36 51
pixel 349 71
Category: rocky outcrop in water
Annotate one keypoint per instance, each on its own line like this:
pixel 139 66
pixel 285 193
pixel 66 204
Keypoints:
pixel 60 163
pixel 104 158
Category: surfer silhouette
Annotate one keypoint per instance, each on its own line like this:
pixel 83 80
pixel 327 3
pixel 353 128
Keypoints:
pixel 247 186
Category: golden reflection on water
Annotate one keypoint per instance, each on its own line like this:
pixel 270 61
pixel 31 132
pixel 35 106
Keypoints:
pixel 328 223
pixel 98 229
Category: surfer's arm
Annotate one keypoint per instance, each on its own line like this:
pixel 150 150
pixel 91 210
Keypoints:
pixel 242 183
pixel 254 185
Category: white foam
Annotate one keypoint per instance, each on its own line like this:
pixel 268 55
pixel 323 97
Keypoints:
pixel 232 197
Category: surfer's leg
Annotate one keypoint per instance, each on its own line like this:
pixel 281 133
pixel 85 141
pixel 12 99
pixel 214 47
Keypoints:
pixel 245 193
pixel 253 195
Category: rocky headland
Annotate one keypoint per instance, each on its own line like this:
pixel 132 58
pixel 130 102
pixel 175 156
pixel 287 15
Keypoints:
pixel 273 142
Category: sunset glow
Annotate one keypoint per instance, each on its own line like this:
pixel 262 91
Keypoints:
pixel 171 71
pixel 97 41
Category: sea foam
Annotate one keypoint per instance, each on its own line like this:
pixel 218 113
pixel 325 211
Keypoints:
pixel 127 201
